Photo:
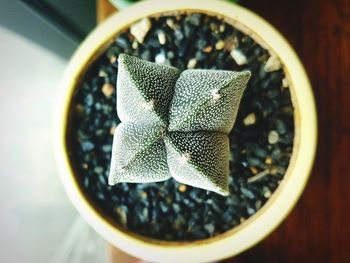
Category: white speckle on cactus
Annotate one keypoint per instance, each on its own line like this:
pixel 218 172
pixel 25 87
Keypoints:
pixel 239 57
pixel 162 132
pixel 121 58
pixel 149 105
pixel 216 95
pixel 121 168
pixel 185 157
pixel 171 128
pixel 140 29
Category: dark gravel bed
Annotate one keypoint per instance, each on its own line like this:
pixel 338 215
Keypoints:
pixel 261 140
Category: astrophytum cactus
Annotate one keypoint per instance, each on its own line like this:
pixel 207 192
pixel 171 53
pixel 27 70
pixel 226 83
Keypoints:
pixel 174 124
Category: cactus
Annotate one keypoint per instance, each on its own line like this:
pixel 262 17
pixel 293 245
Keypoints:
pixel 174 124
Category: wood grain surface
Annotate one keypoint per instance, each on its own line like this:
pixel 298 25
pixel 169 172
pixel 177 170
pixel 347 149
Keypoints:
pixel 318 229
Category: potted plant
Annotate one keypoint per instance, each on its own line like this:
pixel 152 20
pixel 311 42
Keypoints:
pixel 272 144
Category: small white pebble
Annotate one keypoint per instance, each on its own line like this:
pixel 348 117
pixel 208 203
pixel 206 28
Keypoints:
pixel 140 29
pixel 250 119
pixel 107 89
pixel 112 130
pixel 272 64
pixel 285 83
pixel 239 57
pixel 222 28
pixel 258 204
pixel 113 59
pixel 267 193
pixel 102 74
pixel 170 23
pixel 253 170
pixel 268 160
pixel 182 188
pixel 207 49
pixel 121 213
pixel 258 176
pixel 143 194
pixel 220 45
pixel 273 170
pixel 135 44
pixel 160 58
pixel 191 63
pixel 273 137
pixel 161 37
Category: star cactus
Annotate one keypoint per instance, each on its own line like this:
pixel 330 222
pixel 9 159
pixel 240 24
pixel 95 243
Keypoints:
pixel 174 124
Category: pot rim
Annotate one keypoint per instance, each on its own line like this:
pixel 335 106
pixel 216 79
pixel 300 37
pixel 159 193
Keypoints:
pixel 284 197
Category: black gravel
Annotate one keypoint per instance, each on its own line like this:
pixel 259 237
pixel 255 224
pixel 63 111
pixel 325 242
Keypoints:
pixel 169 210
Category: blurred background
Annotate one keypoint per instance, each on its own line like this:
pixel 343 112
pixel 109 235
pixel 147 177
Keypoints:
pixel 37 222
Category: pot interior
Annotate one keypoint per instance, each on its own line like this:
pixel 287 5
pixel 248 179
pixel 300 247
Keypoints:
pixel 261 141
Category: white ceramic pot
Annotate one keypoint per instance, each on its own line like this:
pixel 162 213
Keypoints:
pixel 279 204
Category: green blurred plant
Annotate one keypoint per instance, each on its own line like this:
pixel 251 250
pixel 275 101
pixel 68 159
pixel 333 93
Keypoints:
pixel 120 4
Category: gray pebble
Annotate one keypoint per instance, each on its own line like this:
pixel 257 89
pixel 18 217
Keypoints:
pixel 98 169
pixel 247 193
pixel 89 100
pixel 87 146
pixel 195 19
pixel 250 210
pixel 122 215
pixel 107 148
pixel 253 161
pixel 179 35
pixel 281 127
pixel 209 228
pixel 176 208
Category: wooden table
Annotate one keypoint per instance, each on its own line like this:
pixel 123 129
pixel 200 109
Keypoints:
pixel 318 229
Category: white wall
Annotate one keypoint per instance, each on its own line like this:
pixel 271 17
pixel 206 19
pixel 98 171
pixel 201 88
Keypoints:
pixel 36 219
